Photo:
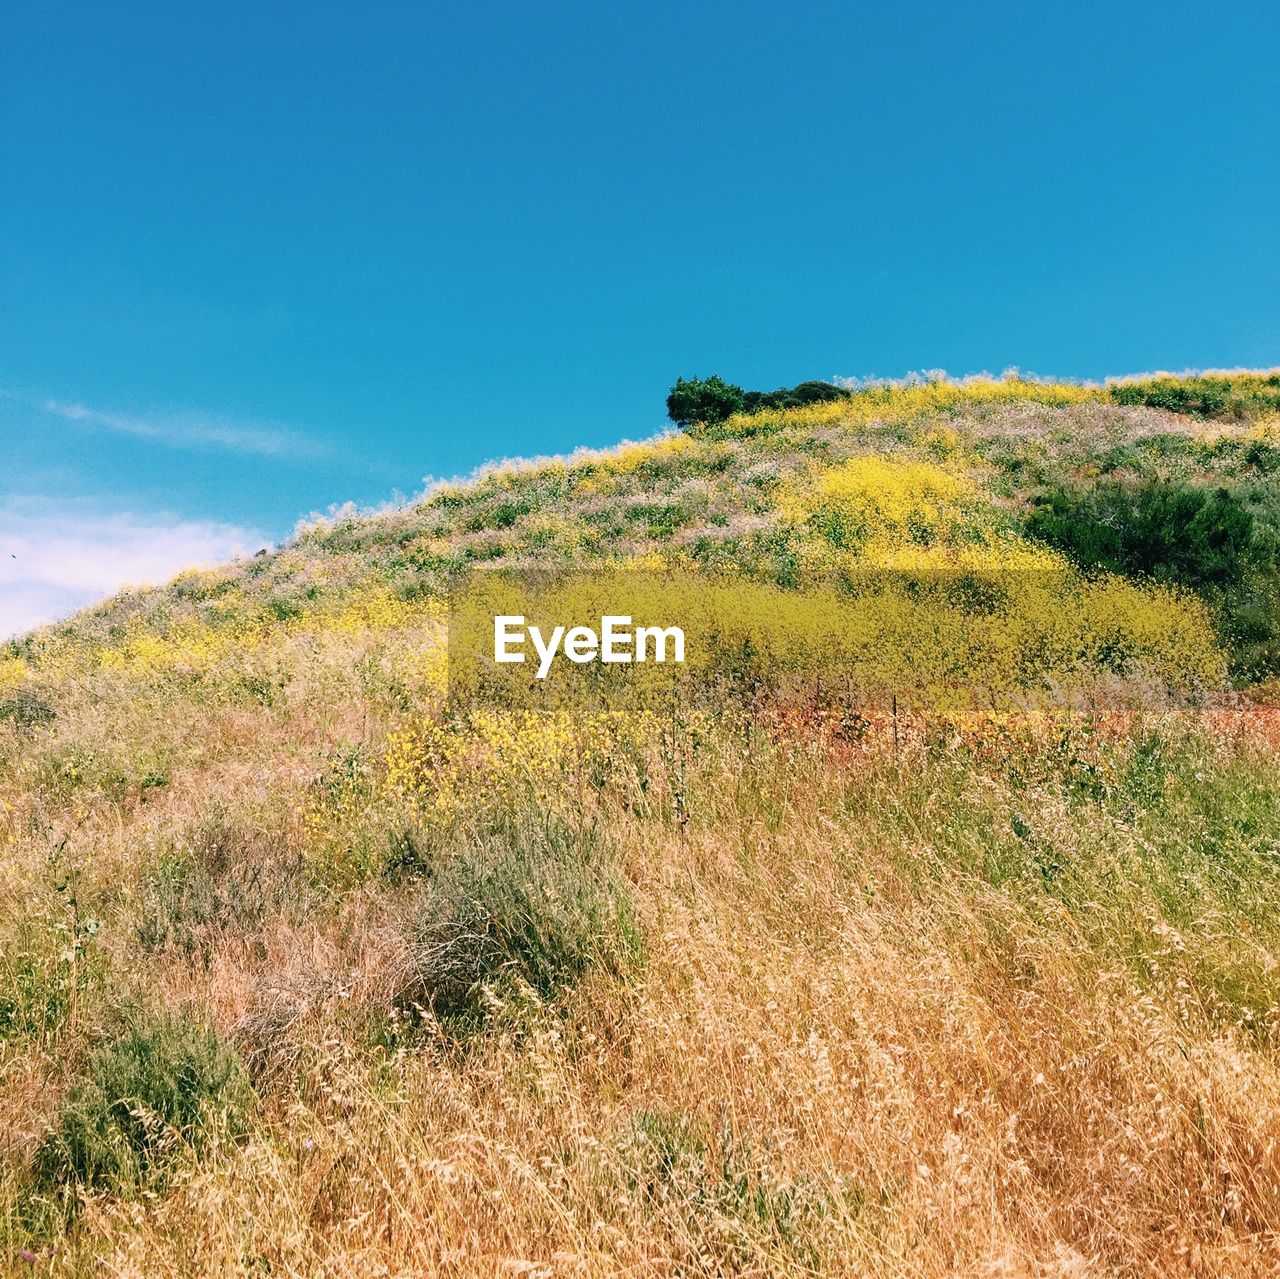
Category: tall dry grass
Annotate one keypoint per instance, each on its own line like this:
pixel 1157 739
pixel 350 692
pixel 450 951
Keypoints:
pixel 875 1029
pixel 779 991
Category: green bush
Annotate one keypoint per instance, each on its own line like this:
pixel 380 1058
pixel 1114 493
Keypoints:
pixel 790 397
pixel 1187 533
pixel 708 401
pixel 161 1087
pixel 1264 458
pixel 529 901
pixel 499 514
pixel 1241 395
pixel 1222 543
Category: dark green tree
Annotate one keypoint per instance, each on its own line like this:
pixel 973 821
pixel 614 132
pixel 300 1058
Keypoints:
pixel 792 397
pixel 706 401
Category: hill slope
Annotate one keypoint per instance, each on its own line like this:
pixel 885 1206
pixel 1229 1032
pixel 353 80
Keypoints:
pixel 304 970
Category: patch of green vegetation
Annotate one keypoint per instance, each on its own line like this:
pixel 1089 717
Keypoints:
pixel 501 514
pixel 660 519
pixel 49 969
pixel 733 1201
pixel 26 709
pixel 1222 542
pixel 160 1088
pixel 1195 535
pixel 112 770
pixel 793 397
pixel 1164 857
pixel 219 882
pixel 1220 396
pixel 707 400
pixel 527 902
pixel 51 964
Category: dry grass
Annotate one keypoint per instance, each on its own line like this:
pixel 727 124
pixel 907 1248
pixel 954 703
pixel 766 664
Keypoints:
pixel 790 1003
pixel 846 1052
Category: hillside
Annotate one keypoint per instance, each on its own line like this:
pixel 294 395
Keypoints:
pixel 305 969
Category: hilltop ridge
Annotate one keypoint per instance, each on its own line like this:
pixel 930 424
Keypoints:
pixel 713 497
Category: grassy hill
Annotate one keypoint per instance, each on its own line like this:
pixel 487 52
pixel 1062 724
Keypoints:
pixel 305 969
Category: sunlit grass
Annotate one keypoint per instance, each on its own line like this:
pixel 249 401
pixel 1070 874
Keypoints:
pixel 305 969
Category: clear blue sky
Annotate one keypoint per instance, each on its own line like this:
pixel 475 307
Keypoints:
pixel 258 258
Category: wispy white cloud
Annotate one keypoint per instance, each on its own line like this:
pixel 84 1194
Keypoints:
pixel 58 555
pixel 192 429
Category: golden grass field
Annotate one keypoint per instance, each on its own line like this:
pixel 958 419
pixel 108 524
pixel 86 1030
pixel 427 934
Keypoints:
pixel 306 971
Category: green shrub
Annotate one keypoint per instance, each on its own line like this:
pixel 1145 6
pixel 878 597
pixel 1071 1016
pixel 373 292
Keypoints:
pixel 791 397
pixel 1241 395
pixel 702 400
pixel 26 709
pixel 498 515
pixel 161 1087
pixel 1222 543
pixel 1187 533
pixel 1264 458
pixel 530 902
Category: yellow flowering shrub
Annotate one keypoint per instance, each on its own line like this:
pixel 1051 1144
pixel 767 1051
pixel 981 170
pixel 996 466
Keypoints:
pixel 373 609
pixel 874 498
pixel 952 630
pixel 552 530
pixel 193 647
pixel 13 670
pixel 203 583
pixel 629 457
pixel 188 646
pixel 943 440
pixel 439 765
pixel 335 798
pixel 422 662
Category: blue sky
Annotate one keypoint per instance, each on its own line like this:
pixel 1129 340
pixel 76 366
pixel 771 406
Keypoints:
pixel 260 259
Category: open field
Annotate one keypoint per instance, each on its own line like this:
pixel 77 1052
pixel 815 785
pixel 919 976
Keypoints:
pixel 304 971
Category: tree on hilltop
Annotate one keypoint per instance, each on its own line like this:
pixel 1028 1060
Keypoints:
pixel 706 401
